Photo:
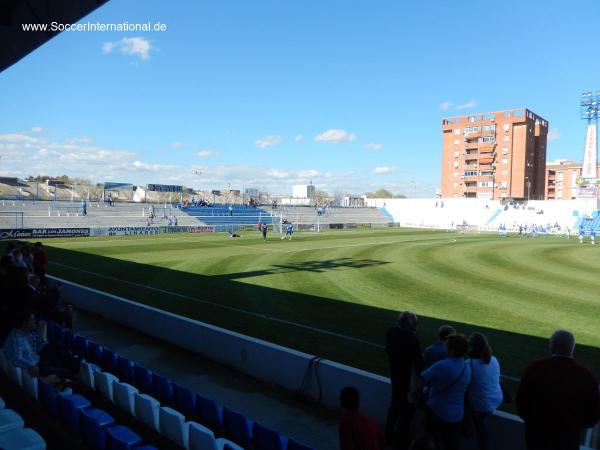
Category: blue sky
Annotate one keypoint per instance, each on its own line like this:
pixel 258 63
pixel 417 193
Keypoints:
pixel 269 94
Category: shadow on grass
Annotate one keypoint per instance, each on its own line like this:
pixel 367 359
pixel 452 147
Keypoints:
pixel 151 285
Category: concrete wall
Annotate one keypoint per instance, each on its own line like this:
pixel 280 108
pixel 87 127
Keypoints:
pixel 260 359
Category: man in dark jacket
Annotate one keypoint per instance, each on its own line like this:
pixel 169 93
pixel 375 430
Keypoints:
pixel 404 353
pixel 557 398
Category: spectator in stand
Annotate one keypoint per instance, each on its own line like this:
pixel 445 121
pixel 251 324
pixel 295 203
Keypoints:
pixel 356 430
pixel 448 382
pixel 30 351
pixel 438 351
pixel 27 257
pixel 404 354
pixel 557 398
pixel 40 261
pixel 51 307
pixel 485 392
pixel 18 259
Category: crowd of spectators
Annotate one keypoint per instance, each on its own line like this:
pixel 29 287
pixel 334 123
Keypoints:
pixel 28 300
pixel 439 395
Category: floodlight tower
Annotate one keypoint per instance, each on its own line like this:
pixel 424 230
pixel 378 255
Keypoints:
pixel 590 112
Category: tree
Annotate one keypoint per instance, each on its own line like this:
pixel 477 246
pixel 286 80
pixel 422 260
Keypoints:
pixel 380 193
pixel 320 197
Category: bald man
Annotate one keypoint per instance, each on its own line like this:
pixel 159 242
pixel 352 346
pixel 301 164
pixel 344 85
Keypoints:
pixel 558 398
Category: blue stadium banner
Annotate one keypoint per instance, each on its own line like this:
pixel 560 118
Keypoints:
pixel 114 186
pixel 164 188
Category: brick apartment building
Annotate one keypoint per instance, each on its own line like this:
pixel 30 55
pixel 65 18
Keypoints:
pixel 495 155
pixel 561 179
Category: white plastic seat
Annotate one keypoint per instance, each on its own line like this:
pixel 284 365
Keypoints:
pixel 10 420
pixel 222 441
pixel 29 384
pixel 86 374
pixel 123 396
pixel 104 383
pixel 201 437
pixel 146 409
pixel 173 426
pixel 22 439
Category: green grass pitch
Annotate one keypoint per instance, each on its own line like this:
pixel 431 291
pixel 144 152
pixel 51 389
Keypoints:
pixel 334 293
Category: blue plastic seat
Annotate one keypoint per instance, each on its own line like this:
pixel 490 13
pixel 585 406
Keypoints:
pixel 184 400
pixel 295 445
pixel 120 437
pixel 146 447
pixel 70 407
pixel 209 414
pixel 59 333
pixel 10 420
pixel 236 428
pixel 125 369
pixel 81 345
pixel 162 388
pixel 143 378
pixel 94 423
pixel 94 353
pixel 109 361
pixel 48 397
pixel 264 438
pixel 22 439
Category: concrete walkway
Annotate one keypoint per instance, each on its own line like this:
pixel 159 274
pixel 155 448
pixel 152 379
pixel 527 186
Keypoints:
pixel 267 404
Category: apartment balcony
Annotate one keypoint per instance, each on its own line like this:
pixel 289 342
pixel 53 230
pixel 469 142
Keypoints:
pixel 471 156
pixel 487 160
pixel 470 189
pixel 469 177
pixel 471 144
pixel 476 134
pixel 487 147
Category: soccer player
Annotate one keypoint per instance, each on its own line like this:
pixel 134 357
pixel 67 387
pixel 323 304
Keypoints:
pixel 288 231
pixel 581 234
pixel 263 228
pixel 593 236
pixel 568 232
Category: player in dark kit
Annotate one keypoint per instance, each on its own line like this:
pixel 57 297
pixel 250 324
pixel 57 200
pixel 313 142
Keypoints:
pixel 263 228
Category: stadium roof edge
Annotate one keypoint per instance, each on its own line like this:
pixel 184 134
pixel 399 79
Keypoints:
pixel 15 43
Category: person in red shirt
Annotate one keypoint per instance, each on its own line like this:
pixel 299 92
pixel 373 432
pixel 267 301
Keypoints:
pixel 557 398
pixel 40 261
pixel 356 430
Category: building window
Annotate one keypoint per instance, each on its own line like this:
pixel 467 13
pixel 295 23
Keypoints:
pixel 503 185
pixel 505 161
pixel 470 173
pixel 469 130
pixel 471 118
pixel 488 139
pixel 506 127
pixel 505 151
pixel 486 184
pixel 455 184
pixel 455 174
pixel 506 139
pixel 456 154
pixel 505 172
pixel 491 128
pixel 456 165
pixel 456 142
pixel 457 131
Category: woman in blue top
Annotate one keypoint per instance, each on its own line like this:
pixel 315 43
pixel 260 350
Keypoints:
pixel 448 381
pixel 485 391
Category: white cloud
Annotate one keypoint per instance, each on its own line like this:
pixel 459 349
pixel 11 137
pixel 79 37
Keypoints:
pixel 207 153
pixel 37 129
pixel 108 47
pixel 469 104
pixel 269 141
pixel 384 170
pixel 335 136
pixel 134 46
pixel 176 144
pixel 445 106
pixel 298 138
pixel 373 147
pixel 553 134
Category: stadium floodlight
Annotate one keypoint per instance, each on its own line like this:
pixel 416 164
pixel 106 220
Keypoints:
pixel 590 106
